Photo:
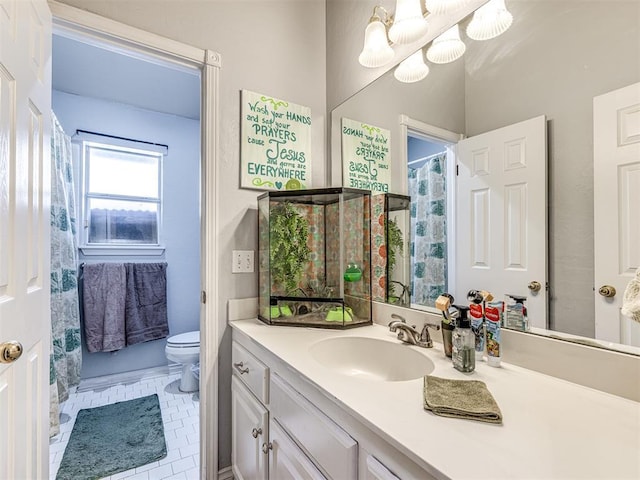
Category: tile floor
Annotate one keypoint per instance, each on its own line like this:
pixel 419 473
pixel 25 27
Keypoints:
pixel 181 426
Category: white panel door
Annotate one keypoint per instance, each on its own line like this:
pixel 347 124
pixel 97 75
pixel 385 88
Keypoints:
pixel 249 431
pixel 616 169
pixel 25 105
pixel 287 460
pixel 501 218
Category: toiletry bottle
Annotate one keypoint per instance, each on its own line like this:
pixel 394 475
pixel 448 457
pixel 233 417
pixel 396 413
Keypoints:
pixel 443 303
pixel 493 320
pixel 516 313
pixel 476 314
pixel 463 339
pixel 525 317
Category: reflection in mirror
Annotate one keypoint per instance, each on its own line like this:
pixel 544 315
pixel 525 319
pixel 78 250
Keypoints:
pixel 553 61
pixel 428 161
pixel 390 236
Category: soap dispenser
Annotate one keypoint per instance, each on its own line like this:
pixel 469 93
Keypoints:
pixel 463 339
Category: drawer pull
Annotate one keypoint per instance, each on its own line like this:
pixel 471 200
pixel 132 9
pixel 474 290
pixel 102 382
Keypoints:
pixel 266 447
pixel 255 432
pixel 239 366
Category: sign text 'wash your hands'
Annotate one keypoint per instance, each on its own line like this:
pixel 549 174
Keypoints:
pixel 275 146
pixel 365 156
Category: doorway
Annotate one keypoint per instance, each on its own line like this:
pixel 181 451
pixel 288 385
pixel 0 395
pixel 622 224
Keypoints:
pixel 131 111
pixel 137 44
pixel 429 163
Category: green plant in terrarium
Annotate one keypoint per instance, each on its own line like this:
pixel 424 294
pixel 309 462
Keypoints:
pixel 288 249
pixel 395 248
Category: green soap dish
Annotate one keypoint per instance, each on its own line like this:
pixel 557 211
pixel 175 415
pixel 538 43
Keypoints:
pixel 352 277
pixel 352 273
pixel 336 315
pixel 283 311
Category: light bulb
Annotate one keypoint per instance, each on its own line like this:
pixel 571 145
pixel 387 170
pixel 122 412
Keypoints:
pixel 409 24
pixel 412 69
pixel 443 7
pixel 376 51
pixel 446 47
pixel 489 21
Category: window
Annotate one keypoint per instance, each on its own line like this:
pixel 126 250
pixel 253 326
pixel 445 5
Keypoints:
pixel 122 196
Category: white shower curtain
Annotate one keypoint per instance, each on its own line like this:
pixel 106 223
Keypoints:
pixel 66 352
pixel 427 188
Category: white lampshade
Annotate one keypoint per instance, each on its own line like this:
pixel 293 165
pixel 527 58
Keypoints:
pixel 412 69
pixel 409 24
pixel 446 47
pixel 489 21
pixel 442 7
pixel 376 51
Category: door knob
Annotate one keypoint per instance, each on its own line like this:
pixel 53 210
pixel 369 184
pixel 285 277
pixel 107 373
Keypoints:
pixel 607 291
pixel 534 286
pixel 10 351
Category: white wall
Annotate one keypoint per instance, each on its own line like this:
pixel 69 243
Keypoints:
pixel 275 47
pixel 181 216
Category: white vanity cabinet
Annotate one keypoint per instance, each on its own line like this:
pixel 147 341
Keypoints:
pixel 334 450
pixel 249 430
pixel 249 416
pixel 286 460
pixel 372 469
pixel 262 443
pixel 285 428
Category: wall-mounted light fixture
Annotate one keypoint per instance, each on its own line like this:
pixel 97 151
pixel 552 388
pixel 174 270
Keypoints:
pixel 446 47
pixel 376 51
pixel 488 21
pixel 412 69
pixel 408 25
pixel 440 7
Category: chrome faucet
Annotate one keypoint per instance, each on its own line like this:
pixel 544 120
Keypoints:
pixel 409 334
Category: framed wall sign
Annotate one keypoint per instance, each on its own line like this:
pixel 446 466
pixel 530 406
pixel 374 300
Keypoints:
pixel 275 146
pixel 365 156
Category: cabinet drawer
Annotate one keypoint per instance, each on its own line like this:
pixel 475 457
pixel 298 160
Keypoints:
pixel 251 371
pixel 333 450
pixel 374 470
pixel 287 460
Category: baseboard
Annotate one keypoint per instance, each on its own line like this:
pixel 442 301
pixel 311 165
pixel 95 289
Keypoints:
pixel 107 381
pixel 225 474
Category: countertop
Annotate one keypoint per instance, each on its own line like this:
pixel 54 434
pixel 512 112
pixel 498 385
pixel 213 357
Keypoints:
pixel 552 429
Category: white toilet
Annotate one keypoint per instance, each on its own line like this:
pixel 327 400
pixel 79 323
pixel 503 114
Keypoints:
pixel 185 350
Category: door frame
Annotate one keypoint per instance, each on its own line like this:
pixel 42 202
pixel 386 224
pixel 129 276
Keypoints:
pixel 431 132
pixel 118 36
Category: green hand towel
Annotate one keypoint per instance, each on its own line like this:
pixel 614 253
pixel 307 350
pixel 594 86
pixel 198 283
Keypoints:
pixel 468 399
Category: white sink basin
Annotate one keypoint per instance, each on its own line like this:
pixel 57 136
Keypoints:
pixel 371 359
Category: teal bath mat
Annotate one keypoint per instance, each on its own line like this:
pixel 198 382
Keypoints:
pixel 114 438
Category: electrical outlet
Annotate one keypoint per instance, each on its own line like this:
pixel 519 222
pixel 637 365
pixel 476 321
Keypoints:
pixel 242 261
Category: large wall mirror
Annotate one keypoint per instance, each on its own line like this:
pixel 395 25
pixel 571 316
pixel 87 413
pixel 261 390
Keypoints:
pixel 548 67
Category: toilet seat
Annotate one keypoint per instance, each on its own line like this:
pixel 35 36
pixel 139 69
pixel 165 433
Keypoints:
pixel 184 340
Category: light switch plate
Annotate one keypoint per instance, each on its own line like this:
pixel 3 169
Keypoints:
pixel 242 261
